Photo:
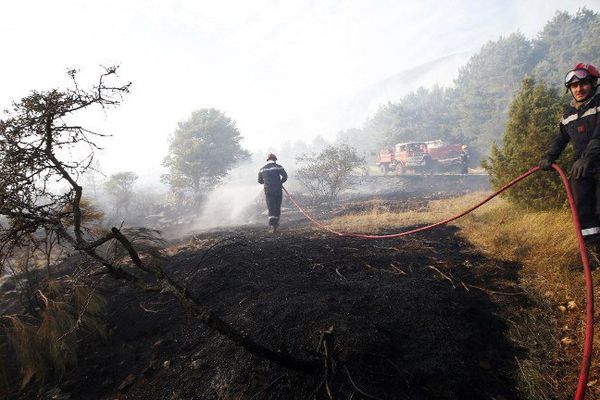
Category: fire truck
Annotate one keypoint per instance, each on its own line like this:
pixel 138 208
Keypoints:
pixel 420 157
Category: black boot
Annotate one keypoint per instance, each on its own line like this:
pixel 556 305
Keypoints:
pixel 592 247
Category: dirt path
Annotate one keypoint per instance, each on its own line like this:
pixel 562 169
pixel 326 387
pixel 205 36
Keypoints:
pixel 410 322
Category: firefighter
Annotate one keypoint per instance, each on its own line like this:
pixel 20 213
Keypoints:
pixel 464 160
pixel 272 176
pixel 580 126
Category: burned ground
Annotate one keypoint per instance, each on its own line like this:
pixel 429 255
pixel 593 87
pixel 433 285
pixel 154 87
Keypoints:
pixel 410 318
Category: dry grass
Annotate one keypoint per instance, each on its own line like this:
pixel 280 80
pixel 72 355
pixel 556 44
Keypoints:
pixel 22 338
pixel 47 348
pixel 376 219
pixel 38 349
pixel 542 241
pixel 59 352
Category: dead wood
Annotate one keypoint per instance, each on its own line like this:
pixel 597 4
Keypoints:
pixel 446 277
pixel 325 345
pixel 367 395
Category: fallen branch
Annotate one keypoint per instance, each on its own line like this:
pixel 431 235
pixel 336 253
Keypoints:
pixel 386 248
pixel 370 396
pixel 494 291
pixel 397 271
pixel 324 344
pixel 443 275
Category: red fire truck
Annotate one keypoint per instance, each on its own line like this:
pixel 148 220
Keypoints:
pixel 420 157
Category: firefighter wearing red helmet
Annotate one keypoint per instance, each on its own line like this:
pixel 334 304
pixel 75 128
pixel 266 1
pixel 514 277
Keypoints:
pixel 581 127
pixel 272 176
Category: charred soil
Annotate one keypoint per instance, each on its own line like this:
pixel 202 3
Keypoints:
pixel 424 317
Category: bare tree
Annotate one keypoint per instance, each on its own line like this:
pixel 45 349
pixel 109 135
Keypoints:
pixel 34 137
pixel 327 173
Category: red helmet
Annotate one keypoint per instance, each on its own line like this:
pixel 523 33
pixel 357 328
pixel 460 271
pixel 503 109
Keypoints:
pixel 271 157
pixel 582 72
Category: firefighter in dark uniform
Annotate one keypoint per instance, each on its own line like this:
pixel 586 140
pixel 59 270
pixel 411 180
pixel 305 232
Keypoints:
pixel 464 160
pixel 580 126
pixel 272 176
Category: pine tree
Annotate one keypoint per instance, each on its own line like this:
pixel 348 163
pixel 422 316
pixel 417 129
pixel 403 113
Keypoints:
pixel 532 124
pixel 485 86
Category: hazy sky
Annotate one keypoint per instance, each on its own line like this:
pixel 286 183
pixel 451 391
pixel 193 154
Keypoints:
pixel 272 66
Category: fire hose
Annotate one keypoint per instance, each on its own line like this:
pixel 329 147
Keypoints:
pixel 589 320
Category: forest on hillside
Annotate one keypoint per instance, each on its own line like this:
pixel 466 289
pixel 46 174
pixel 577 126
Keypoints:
pixel 475 109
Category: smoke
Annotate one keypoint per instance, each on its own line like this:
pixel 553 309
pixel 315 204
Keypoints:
pixel 233 203
pixel 236 201
pixel 239 200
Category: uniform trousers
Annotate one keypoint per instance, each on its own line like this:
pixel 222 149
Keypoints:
pixel 273 197
pixel 586 192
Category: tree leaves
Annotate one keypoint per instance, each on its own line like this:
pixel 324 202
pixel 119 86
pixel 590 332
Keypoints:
pixel 202 151
pixel 531 126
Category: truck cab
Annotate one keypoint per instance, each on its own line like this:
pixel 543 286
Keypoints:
pixel 420 157
pixel 412 156
pixel 405 156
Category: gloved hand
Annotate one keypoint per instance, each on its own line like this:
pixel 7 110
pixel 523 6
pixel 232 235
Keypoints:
pixel 545 164
pixel 580 168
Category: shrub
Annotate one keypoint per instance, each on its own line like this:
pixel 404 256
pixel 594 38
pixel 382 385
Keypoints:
pixel 327 173
pixel 531 126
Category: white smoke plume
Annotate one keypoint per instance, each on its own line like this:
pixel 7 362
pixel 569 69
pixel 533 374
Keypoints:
pixel 230 204
pixel 238 200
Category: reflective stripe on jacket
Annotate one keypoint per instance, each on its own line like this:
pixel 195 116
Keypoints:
pixel 578 126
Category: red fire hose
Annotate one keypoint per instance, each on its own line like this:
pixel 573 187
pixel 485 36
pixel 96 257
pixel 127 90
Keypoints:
pixel 589 320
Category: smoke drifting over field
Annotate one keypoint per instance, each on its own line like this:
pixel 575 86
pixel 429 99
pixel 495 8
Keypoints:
pixel 238 200
pixel 230 204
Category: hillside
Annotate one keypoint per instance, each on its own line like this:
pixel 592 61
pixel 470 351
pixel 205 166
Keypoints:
pixel 474 109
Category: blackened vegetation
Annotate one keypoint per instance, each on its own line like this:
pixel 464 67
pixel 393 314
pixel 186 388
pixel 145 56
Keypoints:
pixel 416 318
